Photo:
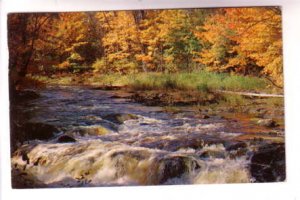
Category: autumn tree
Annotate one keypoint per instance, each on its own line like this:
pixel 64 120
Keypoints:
pixel 259 38
pixel 243 40
pixel 24 33
pixel 181 43
pixel 237 40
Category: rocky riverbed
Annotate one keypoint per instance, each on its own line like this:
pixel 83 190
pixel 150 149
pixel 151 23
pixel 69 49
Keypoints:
pixel 83 137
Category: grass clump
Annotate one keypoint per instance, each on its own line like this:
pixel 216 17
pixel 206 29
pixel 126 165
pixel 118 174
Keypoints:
pixel 233 100
pixel 203 87
pixel 239 83
pixel 202 81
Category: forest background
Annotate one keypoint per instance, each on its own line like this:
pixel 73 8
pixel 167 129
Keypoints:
pixel 234 41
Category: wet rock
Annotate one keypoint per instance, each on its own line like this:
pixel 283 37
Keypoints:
pixel 108 87
pixel 130 154
pixel 213 154
pixel 66 139
pixel 21 180
pixel 175 167
pixel 94 130
pixel 39 131
pixel 236 146
pixel 270 123
pixel 175 98
pixel 116 97
pixel 25 158
pixel 237 149
pixel 203 116
pixel 261 113
pixel 23 151
pixel 119 118
pixel 238 153
pixel 268 163
pixel 175 144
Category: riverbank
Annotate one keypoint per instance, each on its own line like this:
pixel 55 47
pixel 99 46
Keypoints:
pixel 254 111
pixel 200 80
pixel 202 90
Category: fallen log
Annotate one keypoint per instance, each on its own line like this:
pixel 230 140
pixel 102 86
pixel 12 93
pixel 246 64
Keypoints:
pixel 251 94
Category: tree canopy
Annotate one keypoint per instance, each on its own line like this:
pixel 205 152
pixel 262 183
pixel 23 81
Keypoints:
pixel 245 41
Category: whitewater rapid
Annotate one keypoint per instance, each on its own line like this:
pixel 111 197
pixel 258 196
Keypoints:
pixel 149 147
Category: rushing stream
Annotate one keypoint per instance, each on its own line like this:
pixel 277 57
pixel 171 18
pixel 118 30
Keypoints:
pixel 101 139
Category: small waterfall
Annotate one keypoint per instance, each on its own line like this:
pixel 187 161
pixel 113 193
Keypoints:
pixel 94 163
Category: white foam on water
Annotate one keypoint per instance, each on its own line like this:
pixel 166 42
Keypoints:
pixel 212 126
pixel 214 147
pixel 223 171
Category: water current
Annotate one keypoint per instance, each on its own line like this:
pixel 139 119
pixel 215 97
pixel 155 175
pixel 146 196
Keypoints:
pixel 119 142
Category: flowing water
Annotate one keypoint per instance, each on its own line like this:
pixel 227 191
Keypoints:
pixel 148 146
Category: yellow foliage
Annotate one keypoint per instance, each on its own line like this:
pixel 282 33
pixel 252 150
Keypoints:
pixel 238 38
pixel 64 65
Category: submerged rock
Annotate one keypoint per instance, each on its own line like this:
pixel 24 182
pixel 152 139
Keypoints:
pixel 65 139
pixel 268 163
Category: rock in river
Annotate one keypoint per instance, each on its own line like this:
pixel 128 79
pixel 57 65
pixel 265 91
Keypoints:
pixel 65 139
pixel 268 163
pixel 175 167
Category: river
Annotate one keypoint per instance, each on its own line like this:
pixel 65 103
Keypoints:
pixel 118 142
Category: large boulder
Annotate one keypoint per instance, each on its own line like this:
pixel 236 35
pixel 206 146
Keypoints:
pixel 268 163
pixel 175 167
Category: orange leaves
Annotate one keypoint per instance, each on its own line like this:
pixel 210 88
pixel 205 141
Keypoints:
pixel 237 40
pixel 260 38
pixel 144 58
pixel 240 39
pixel 64 65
